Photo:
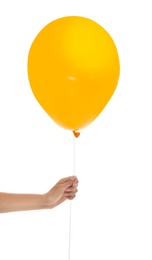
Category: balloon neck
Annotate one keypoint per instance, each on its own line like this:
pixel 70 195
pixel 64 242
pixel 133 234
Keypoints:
pixel 76 134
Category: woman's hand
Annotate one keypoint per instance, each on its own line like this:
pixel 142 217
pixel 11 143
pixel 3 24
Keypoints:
pixel 64 189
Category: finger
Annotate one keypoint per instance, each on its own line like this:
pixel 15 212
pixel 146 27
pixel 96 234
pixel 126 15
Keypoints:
pixel 70 197
pixel 63 180
pixel 69 183
pixel 71 193
pixel 72 188
pixel 75 182
pixel 68 179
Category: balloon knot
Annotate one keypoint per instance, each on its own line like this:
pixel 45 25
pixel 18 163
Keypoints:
pixel 76 134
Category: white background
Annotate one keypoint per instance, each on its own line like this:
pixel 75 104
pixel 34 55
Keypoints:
pixel 112 213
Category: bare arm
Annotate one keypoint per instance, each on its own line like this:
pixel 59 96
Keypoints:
pixel 64 189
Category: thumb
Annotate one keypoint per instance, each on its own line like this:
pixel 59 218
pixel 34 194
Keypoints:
pixel 67 182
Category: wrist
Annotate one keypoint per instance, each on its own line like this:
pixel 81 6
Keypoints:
pixel 46 202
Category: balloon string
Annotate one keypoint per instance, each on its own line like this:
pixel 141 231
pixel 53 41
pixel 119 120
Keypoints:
pixel 71 202
pixel 70 232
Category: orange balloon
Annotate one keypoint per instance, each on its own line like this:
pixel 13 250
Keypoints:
pixel 73 70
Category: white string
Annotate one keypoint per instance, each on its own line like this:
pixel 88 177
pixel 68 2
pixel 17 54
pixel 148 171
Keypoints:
pixel 71 202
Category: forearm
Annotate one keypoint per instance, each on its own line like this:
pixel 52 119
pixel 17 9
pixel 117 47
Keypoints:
pixel 10 202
